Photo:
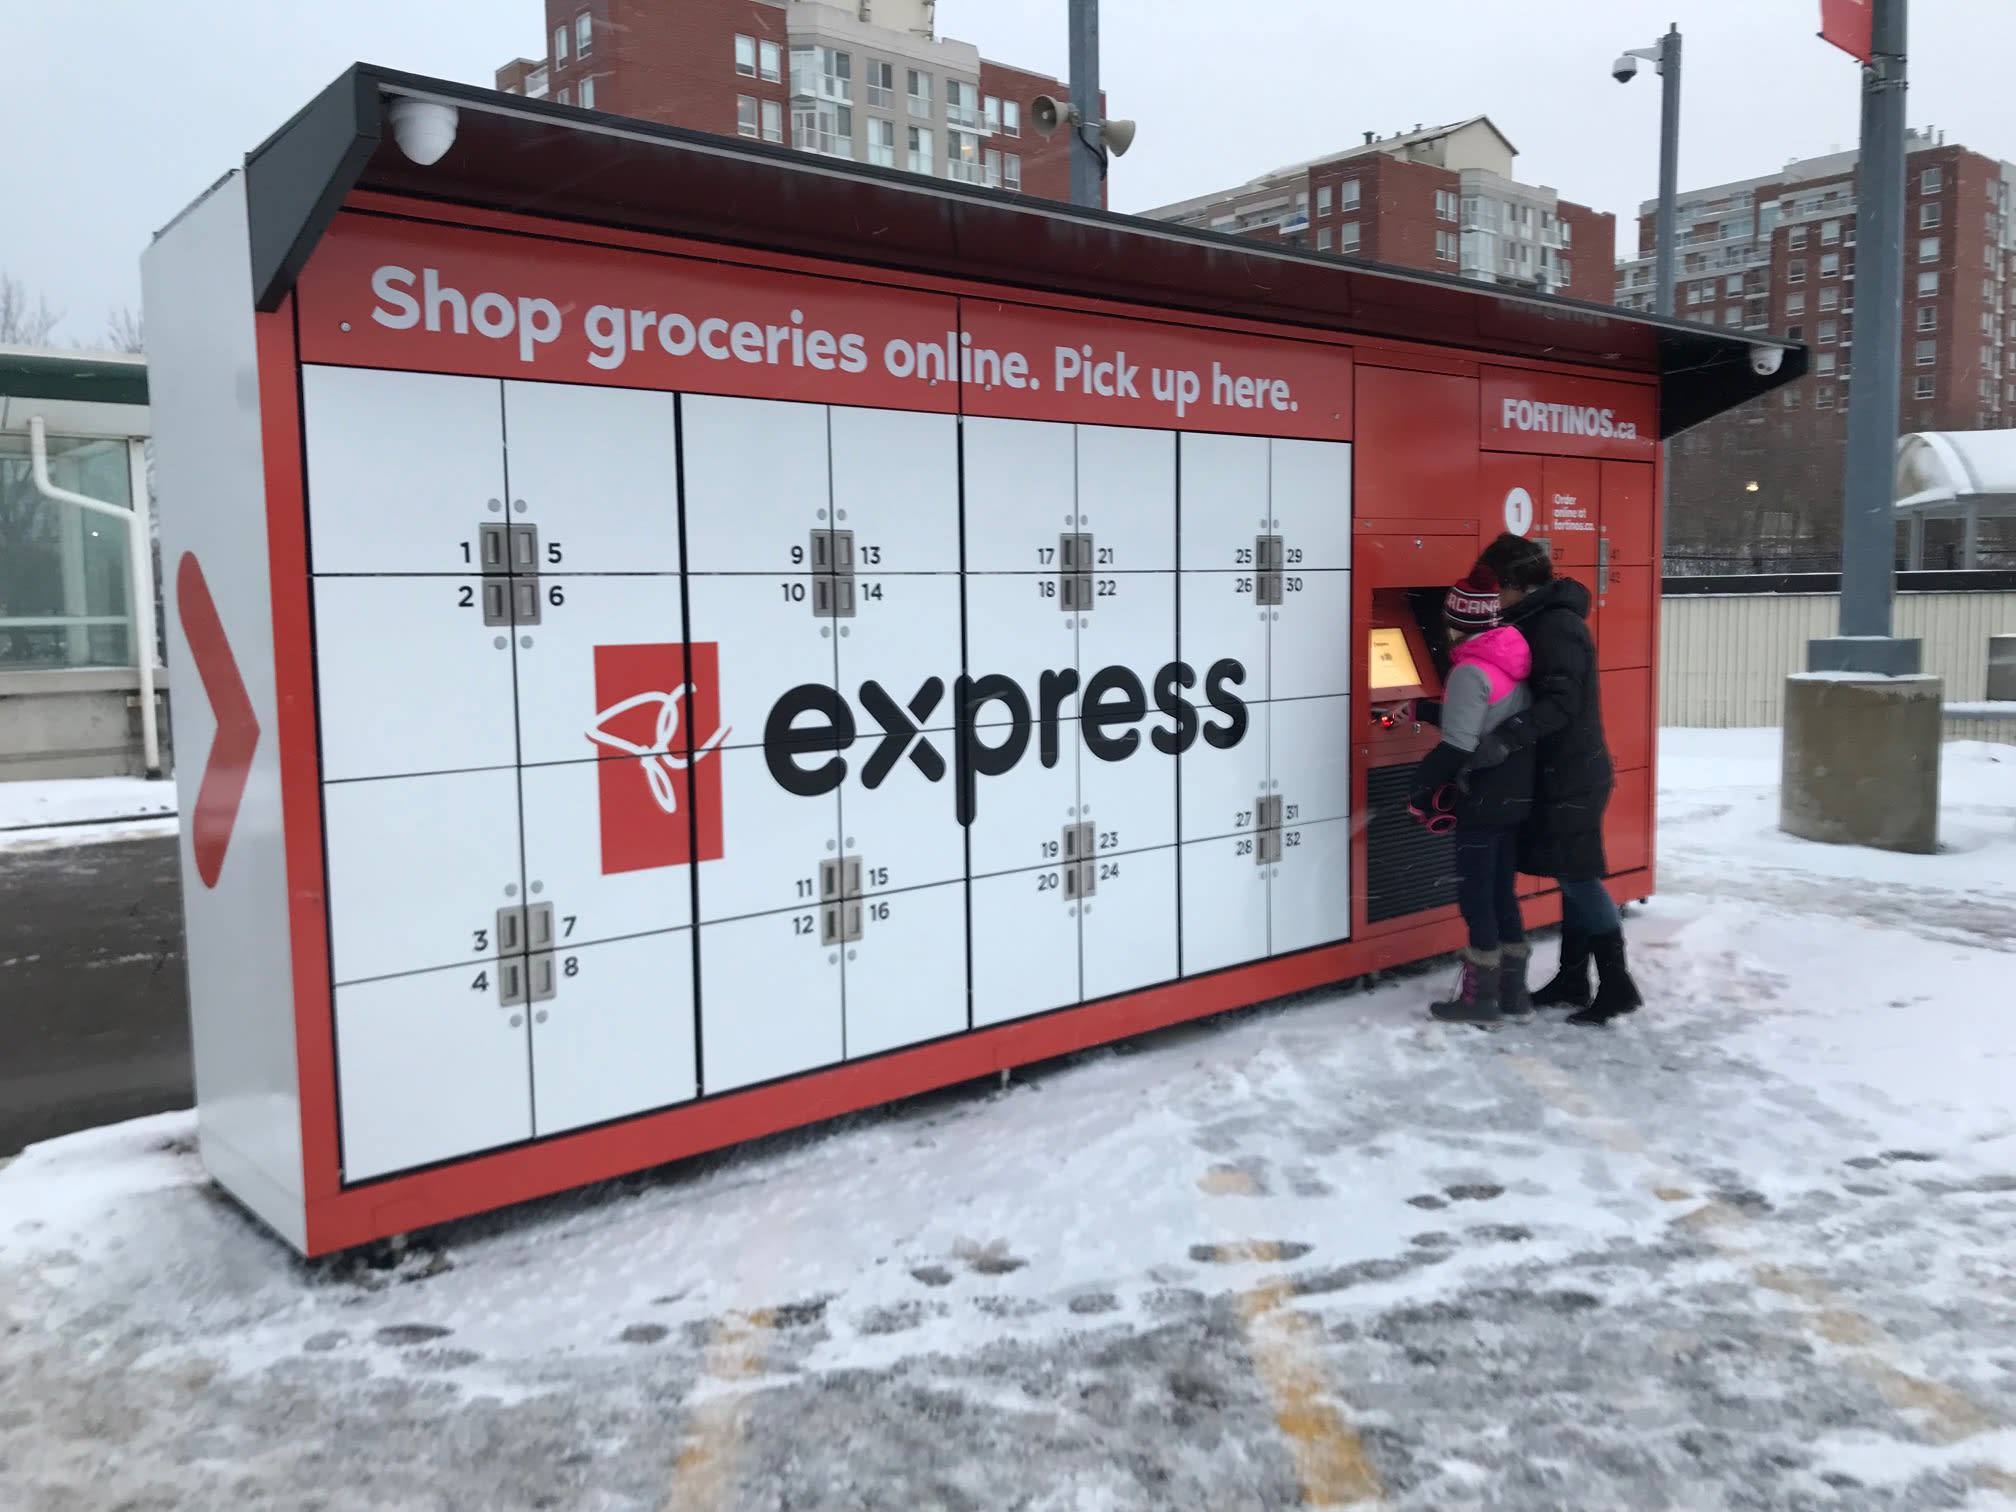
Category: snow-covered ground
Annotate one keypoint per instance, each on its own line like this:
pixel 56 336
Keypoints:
pixel 84 811
pixel 1754 1249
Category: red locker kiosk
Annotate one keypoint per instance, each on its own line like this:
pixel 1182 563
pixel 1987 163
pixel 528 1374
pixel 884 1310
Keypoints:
pixel 692 638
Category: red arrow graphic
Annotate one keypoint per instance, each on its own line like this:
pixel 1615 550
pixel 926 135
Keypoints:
pixel 237 726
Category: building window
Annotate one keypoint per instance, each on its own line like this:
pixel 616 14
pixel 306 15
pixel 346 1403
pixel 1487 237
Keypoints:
pixel 920 96
pixel 1791 398
pixel 63 573
pixel 881 141
pixel 962 104
pixel 1928 353
pixel 559 44
pixel 1829 331
pixel 1824 363
pixel 587 94
pixel 1695 293
pixel 745 57
pixel 1565 274
pixel 1795 270
pixel 881 84
pixel 535 83
pixel 1830 233
pixel 1830 299
pixel 1011 118
pixel 990 108
pixel 1732 317
pixel 1830 265
pixel 1928 285
pixel 1931 181
pixel 584 34
pixel 923 155
pixel 962 157
pixel 1796 238
pixel 745 115
pixel 773 121
pixel 567 96
pixel 1930 215
pixel 1567 233
pixel 1347 195
pixel 825 128
pixel 1445 204
pixel 770 60
pixel 1324 237
pixel 1823 396
pixel 1795 304
pixel 1928 249
pixel 1011 170
pixel 1323 199
pixel 1733 286
pixel 1795 333
pixel 1447 245
pixel 823 72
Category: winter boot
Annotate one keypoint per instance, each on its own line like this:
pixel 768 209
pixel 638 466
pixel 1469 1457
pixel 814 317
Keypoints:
pixel 1570 987
pixel 1476 1000
pixel 1514 1001
pixel 1616 993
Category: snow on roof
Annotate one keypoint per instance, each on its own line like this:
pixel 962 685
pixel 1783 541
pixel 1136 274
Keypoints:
pixel 1941 467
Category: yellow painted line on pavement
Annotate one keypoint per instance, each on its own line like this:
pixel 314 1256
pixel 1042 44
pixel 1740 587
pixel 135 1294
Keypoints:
pixel 704 1478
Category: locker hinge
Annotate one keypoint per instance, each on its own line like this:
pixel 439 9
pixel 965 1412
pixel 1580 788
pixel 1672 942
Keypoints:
pixel 1074 571
pixel 1602 565
pixel 832 574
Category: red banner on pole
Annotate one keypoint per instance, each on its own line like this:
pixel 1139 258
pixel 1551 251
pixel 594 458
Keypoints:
pixel 1850 26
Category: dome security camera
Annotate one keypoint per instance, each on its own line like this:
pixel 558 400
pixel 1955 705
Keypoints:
pixel 1765 361
pixel 1625 69
pixel 423 129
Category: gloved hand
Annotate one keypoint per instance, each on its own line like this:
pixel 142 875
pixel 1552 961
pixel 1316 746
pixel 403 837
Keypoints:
pixel 1491 750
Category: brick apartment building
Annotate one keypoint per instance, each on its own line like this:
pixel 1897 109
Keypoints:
pixel 871 81
pixel 1763 484
pixel 1442 199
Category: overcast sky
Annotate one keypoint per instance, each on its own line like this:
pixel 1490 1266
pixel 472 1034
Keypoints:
pixel 119 112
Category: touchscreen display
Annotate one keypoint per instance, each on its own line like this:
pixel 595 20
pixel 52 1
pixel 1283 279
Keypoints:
pixel 1392 662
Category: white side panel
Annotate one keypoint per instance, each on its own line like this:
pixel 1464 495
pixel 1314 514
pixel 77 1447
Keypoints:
pixel 896 486
pixel 410 678
pixel 1224 905
pixel 773 841
pixel 1312 500
pixel 429 1067
pixel 558 701
pixel 1225 503
pixel 1310 655
pixel 1025 946
pixel 904 633
pixel 418 867
pixel 1127 497
pixel 209 460
pixel 597 471
pixel 1015 629
pixel 906 978
pixel 769 1000
pixel 616 1037
pixel 1020 815
pixel 757 483
pixel 1221 786
pixel 402 469
pixel 1311 767
pixel 1129 930
pixel 567 865
pixel 1312 886
pixel 1021 479
pixel 770 643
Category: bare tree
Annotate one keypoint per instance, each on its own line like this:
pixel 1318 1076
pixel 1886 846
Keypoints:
pixel 22 324
pixel 124 331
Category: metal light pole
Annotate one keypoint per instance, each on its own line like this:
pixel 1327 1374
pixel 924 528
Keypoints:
pixel 1087 159
pixel 1868 513
pixel 1666 58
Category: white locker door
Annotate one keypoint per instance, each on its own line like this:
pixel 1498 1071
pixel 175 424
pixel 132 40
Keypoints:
pixel 769 1000
pixel 1019 817
pixel 1224 904
pixel 409 678
pixel 1015 629
pixel 906 976
pixel 757 483
pixel 1220 787
pixel 1310 770
pixel 418 867
pixel 904 633
pixel 773 840
pixel 1225 500
pixel 1129 925
pixel 616 1037
pixel 896 487
pixel 604 849
pixel 1312 886
pixel 906 830
pixel 769 643
pixel 1127 497
pixel 1025 946
pixel 561 701
pixel 402 469
pixel 1220 619
pixel 1131 803
pixel 1132 624
pixel 597 471
pixel 1020 486
pixel 1310 654
pixel 429 1067
pixel 1311 496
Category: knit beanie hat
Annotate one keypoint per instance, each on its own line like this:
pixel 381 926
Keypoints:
pixel 1472 605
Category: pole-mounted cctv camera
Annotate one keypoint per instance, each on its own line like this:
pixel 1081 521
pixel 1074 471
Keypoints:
pixel 1625 69
pixel 1765 361
pixel 424 129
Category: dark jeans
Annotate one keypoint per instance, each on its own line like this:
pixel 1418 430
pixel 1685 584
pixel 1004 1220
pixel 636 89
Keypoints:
pixel 1588 906
pixel 1487 886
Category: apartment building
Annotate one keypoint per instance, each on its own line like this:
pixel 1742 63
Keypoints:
pixel 871 82
pixel 1443 199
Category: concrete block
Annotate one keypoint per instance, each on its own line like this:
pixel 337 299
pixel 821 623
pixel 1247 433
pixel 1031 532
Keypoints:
pixel 1862 760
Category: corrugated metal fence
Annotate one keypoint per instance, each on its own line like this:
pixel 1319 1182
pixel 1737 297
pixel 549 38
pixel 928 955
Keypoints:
pixel 1724 657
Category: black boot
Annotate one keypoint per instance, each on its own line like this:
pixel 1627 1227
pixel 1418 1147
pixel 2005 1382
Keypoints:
pixel 1514 1001
pixel 1476 999
pixel 1570 987
pixel 1616 993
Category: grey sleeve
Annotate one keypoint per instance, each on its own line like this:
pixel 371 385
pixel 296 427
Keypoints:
pixel 1464 707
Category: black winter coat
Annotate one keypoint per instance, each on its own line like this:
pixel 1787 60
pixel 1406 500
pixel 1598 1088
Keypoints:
pixel 1562 836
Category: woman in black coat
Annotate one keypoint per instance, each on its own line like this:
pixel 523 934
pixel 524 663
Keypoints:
pixel 1562 837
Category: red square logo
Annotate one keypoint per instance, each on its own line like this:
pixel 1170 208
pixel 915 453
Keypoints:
pixel 658 729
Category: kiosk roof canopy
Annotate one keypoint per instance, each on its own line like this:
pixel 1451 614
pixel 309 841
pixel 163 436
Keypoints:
pixel 541 158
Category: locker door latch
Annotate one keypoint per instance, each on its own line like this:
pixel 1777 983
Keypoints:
pixel 1602 565
pixel 526 971
pixel 832 574
pixel 1267 831
pixel 1074 571
pixel 1269 557
pixel 840 909
pixel 510 564
pixel 1081 868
